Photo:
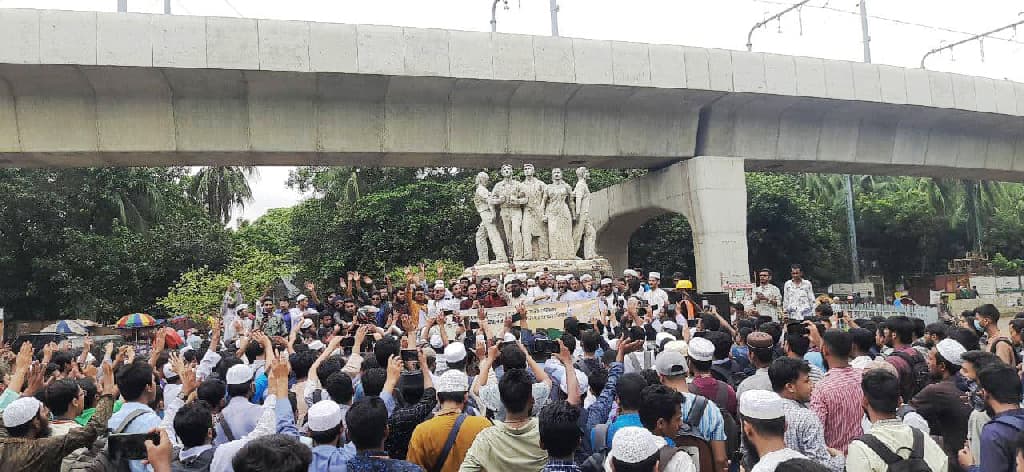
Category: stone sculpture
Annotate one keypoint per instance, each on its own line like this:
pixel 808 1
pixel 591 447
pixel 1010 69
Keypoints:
pixel 484 202
pixel 559 217
pixel 583 229
pixel 535 231
pixel 512 200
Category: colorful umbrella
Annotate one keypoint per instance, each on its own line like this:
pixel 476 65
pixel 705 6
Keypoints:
pixel 136 320
pixel 66 327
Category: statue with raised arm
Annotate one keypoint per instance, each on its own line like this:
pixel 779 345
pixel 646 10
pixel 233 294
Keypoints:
pixel 535 230
pixel 484 202
pixel 583 226
pixel 559 217
pixel 512 200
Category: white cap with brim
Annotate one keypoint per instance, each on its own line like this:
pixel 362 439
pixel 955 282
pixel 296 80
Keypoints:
pixel 663 337
pixel 761 405
pixel 436 341
pixel 21 411
pixel 300 298
pixel 239 374
pixel 316 345
pixel 169 372
pixel 323 416
pixel 634 444
pixel 670 364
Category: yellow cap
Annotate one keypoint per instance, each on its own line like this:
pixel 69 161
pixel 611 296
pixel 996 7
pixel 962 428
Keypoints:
pixel 684 284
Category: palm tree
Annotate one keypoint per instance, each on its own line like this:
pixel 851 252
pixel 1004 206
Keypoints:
pixel 221 189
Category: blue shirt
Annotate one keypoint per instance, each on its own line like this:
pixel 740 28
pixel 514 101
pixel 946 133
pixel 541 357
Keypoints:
pixel 326 457
pixel 598 412
pixel 997 452
pixel 241 416
pixel 141 424
pixel 377 461
pixel 816 359
pixel 711 426
pixel 628 419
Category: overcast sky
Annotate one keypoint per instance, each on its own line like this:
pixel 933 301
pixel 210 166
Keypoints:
pixel 824 28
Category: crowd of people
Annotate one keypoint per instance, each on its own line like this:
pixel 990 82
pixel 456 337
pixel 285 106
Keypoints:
pixel 418 377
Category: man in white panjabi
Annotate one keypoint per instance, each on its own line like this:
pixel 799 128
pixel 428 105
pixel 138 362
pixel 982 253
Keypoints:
pixel 484 202
pixel 767 297
pixel 511 206
pixel 535 230
pixel 583 230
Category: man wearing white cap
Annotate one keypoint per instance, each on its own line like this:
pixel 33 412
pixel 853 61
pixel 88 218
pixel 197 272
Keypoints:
pixel 240 415
pixel 672 369
pixel 656 297
pixel 574 291
pixel 635 448
pixel 764 425
pixel 451 429
pixel 324 422
pixel 940 403
pixel 542 292
pixel 29 446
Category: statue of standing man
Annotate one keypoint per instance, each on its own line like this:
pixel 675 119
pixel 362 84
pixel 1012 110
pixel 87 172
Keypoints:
pixel 512 201
pixel 535 230
pixel 583 229
pixel 484 202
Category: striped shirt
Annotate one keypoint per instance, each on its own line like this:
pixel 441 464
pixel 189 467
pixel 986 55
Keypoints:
pixel 837 402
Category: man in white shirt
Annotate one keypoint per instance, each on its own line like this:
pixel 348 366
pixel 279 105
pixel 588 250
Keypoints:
pixel 574 293
pixel 656 297
pixel 767 297
pixel 798 300
pixel 764 424
pixel 541 292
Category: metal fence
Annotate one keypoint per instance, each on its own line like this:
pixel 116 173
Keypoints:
pixel 929 314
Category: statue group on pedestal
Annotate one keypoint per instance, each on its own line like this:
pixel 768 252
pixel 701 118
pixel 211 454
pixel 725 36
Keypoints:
pixel 537 221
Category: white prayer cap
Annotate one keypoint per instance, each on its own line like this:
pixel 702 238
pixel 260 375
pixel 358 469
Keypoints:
pixel 630 273
pixel 306 324
pixel 239 374
pixel 669 325
pixel 323 415
pixel 316 345
pixel 438 286
pixel 586 277
pixel 455 352
pixel 654 275
pixel 538 275
pixel 634 444
pixel 951 350
pixel 531 282
pixel 300 298
pixel 438 282
pixel 606 281
pixel 169 373
pixel 436 341
pixel 21 411
pixel 521 277
pixel 453 380
pixel 561 278
pixel 662 336
pixel 570 276
pixel 701 349
pixel 509 337
pixel 244 306
pixel 677 346
pixel 761 405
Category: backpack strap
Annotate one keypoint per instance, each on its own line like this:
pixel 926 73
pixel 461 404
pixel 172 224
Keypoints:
pixel 917 451
pixel 227 429
pixel 696 412
pixel 883 451
pixel 128 420
pixel 665 455
pixel 722 394
pixel 635 363
pixel 448 443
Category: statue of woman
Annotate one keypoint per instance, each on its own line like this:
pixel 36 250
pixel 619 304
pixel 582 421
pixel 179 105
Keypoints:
pixel 559 217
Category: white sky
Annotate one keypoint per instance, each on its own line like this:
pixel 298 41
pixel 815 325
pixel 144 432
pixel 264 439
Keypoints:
pixel 824 28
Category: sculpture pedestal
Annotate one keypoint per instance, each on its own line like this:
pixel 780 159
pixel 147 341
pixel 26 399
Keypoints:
pixel 594 267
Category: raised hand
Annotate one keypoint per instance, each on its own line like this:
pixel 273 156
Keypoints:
pixel 564 355
pixel 107 385
pixel 24 359
pixel 310 286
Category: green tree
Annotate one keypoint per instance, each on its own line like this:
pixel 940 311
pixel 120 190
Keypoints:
pixel 221 189
pixel 198 292
pixel 271 232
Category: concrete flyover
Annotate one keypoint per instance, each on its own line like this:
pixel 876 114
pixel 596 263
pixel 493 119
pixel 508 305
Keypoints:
pixel 86 88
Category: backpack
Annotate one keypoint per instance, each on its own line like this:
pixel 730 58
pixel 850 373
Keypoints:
pixel 200 463
pixel 727 375
pixel 917 378
pixel 689 437
pixel 731 426
pixel 97 458
pixel 914 463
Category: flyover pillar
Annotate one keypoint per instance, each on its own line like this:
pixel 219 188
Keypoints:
pixel 709 191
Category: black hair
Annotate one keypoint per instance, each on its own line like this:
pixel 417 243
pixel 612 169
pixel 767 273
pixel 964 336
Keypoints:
pixel 630 389
pixel 710 322
pixel 515 389
pixel 967 337
pixel 763 355
pixel 367 422
pixel 21 430
pixel 646 465
pixel 301 361
pixel 774 427
pixel 1017 324
pixel 839 342
pixel 91 393
pixel 368 363
pixel 980 359
pixel 945 365
pixel 512 357
pixel 571 325
pixel 590 340
pixel 274 453
pixel 224 364
pixel 902 327
pixel 988 311
pixel 458 397
pixel 211 391
pixel 993 379
pixel 786 370
pixel 700 366
pixel 192 424
pixel 636 333
pixel 339 387
pixel 570 342
pixel 329 366
pixel 373 381
pixel 796 266
pixel 385 348
pixel 774 329
pixel 863 339
pixel 325 437
pixel 798 343
pixel 722 342
pixel 882 390
pixel 658 402
pixel 597 379
pixel 800 465
pixel 824 310
pixel 132 379
pixel 609 356
pixel 560 433
pixel 743 333
pixel 191 355
pixel 919 327
pixel 253 350
pixel 410 386
pixel 650 376
pixel 59 395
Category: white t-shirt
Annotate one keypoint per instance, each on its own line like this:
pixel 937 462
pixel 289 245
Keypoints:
pixel 536 292
pixel 656 297
pixel 770 461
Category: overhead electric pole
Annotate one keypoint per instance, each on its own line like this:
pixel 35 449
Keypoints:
pixel 167 7
pixel 851 222
pixel 122 6
pixel 554 17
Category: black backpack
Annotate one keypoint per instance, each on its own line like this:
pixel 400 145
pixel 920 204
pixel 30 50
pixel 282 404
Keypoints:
pixel 914 463
pixel 919 376
pixel 200 463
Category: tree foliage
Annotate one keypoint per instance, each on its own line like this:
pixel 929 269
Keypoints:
pixel 221 189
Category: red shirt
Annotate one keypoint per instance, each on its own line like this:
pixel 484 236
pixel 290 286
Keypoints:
pixel 707 387
pixel 837 402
